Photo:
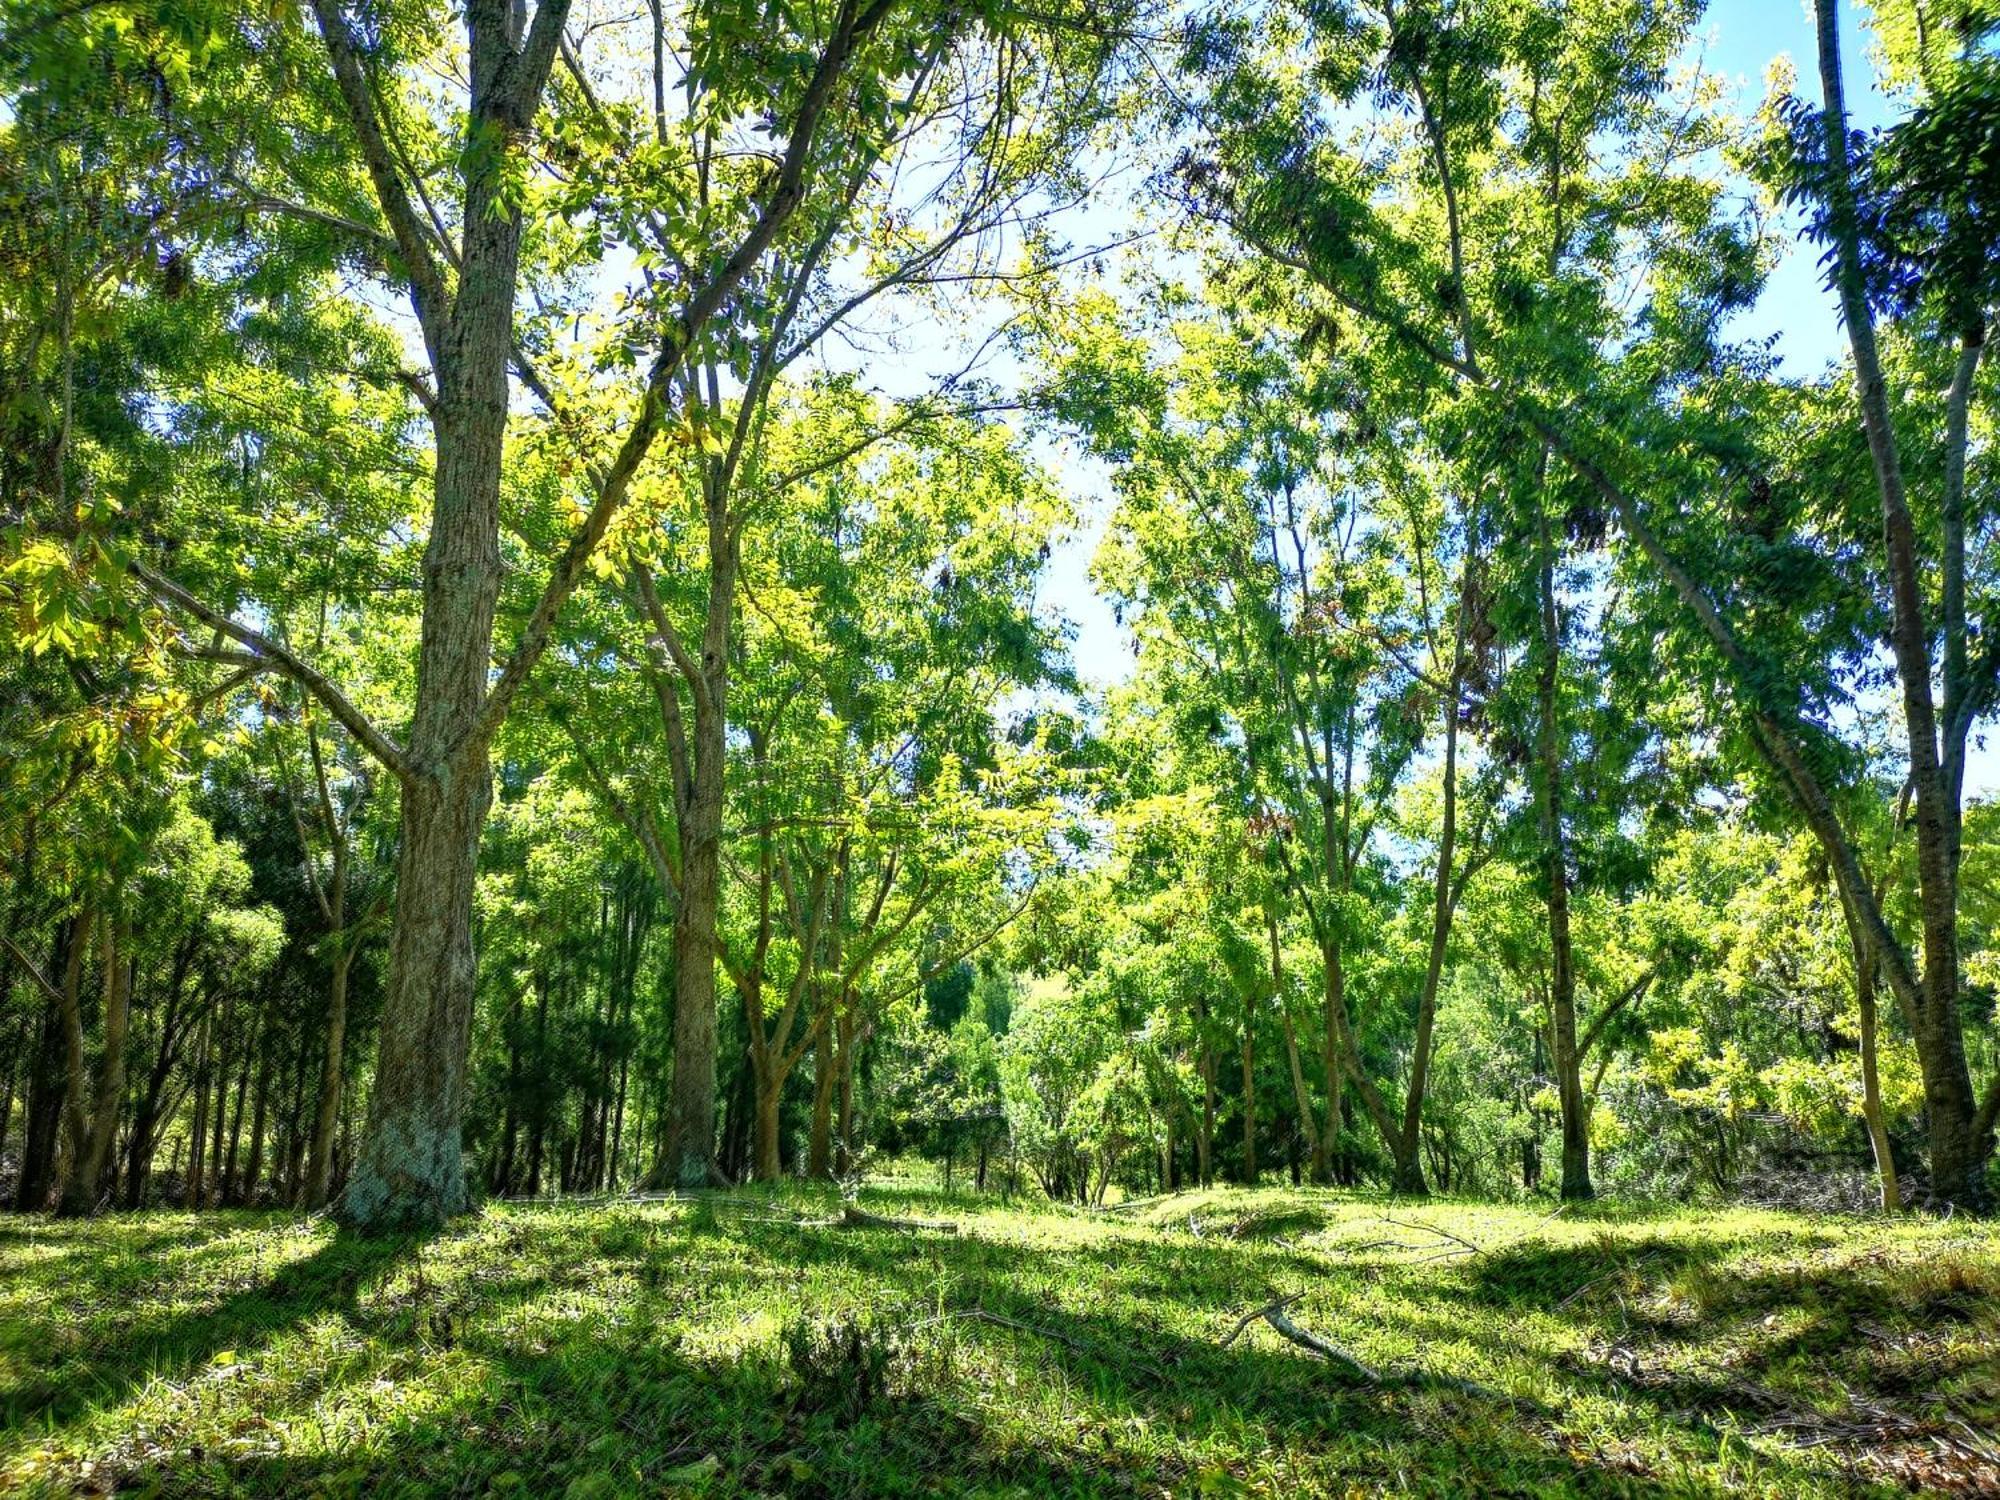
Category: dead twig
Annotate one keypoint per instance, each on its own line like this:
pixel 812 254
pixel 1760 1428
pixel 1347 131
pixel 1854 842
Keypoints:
pixel 1443 1234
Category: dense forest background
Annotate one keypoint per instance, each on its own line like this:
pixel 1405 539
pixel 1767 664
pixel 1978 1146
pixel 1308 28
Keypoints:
pixel 528 661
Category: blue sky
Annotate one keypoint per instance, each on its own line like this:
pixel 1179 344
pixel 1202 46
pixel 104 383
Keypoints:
pixel 1739 39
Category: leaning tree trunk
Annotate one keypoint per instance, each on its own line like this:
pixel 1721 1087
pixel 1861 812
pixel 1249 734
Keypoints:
pixel 1961 1134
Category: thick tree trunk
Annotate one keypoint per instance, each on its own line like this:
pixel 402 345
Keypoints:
pixel 409 1172
pixel 766 1161
pixel 819 1150
pixel 80 1194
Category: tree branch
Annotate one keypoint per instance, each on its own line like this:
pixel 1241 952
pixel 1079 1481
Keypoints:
pixel 270 653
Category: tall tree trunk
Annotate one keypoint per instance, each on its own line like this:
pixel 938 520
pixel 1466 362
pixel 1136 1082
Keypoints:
pixel 819 1150
pixel 253 1173
pixel 197 1170
pixel 1555 864
pixel 1409 1157
pixel 1249 1051
pixel 76 1122
pixel 410 1170
pixel 234 1188
pixel 80 1194
pixel 851 1036
pixel 1961 1132
pixel 47 1089
pixel 1301 1095
pixel 691 1096
pixel 1204 1143
pixel 503 1174
pixel 332 1081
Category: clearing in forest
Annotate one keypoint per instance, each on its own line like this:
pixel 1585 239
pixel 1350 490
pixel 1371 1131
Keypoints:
pixel 774 1344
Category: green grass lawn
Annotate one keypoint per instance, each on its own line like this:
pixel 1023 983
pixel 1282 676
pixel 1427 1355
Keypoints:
pixel 753 1344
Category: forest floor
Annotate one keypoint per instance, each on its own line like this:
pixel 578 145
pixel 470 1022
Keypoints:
pixel 764 1344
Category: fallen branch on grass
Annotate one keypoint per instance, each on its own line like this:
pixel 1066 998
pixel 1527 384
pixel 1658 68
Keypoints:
pixel 1001 1320
pixel 1274 1313
pixel 859 1218
pixel 1443 1234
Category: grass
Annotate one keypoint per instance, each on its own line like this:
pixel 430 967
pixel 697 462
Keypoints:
pixel 753 1344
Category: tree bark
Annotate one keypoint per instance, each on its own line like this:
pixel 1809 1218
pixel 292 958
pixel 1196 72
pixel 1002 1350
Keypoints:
pixel 80 1194
pixel 1301 1095
pixel 691 1091
pixel 819 1150
pixel 47 1089
pixel 1576 1184
pixel 1960 1142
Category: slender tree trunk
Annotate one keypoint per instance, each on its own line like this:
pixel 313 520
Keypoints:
pixel 1249 1091
pixel 1409 1158
pixel 691 1098
pixel 850 1041
pixel 1301 1095
pixel 47 1087
pixel 197 1175
pixel 76 1122
pixel 1961 1134
pixel 1555 863
pixel 234 1188
pixel 1204 1144
pixel 539 1115
pixel 1871 1089
pixel 332 1081
pixel 767 1163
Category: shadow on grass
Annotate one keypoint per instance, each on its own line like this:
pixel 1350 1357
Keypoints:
pixel 112 1348
pixel 614 1352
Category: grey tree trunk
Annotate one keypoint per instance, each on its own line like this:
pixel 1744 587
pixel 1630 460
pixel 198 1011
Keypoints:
pixel 319 1163
pixel 1568 1061
pixel 80 1193
pixel 691 1091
